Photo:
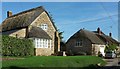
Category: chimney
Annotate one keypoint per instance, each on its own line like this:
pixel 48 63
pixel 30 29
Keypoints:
pixel 99 31
pixel 9 13
pixel 110 34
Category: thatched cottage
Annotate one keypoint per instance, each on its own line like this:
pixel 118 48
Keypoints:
pixel 35 24
pixel 89 42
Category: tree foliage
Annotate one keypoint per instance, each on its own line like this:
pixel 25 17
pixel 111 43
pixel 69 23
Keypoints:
pixel 60 33
pixel 111 47
pixel 61 36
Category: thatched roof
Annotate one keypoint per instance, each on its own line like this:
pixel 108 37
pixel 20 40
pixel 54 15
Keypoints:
pixel 94 37
pixel 85 34
pixel 37 32
pixel 22 19
pixel 108 39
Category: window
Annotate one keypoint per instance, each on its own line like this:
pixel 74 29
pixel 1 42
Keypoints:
pixel 79 43
pixel 42 43
pixel 44 26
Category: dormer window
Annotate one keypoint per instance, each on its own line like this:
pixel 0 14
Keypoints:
pixel 44 26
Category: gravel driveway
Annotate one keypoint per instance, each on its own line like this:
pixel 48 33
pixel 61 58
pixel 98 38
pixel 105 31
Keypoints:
pixel 112 64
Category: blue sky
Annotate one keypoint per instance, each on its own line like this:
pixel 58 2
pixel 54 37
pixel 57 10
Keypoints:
pixel 59 0
pixel 72 16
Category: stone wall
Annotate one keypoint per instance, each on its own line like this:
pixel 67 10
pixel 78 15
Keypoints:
pixel 57 43
pixel 42 51
pixel 95 49
pixel 44 19
pixel 118 51
pixel 57 35
pixel 21 33
pixel 86 46
pixel 98 48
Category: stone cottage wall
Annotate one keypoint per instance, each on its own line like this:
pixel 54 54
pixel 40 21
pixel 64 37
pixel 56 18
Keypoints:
pixel 21 33
pixel 98 48
pixel 95 49
pixel 118 51
pixel 44 19
pixel 58 42
pixel 85 48
pixel 43 51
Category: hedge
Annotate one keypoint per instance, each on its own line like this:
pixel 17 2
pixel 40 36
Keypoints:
pixel 12 46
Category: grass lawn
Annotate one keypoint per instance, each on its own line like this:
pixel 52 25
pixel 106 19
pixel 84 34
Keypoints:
pixel 54 61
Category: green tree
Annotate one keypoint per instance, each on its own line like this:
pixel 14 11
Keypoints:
pixel 61 36
pixel 111 47
pixel 60 33
pixel 62 43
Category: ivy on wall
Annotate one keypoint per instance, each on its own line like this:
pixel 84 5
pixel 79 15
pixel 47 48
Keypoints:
pixel 12 46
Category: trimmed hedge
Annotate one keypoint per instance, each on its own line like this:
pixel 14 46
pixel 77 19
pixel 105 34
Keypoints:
pixel 12 46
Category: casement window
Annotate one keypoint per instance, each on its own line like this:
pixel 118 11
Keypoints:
pixel 79 43
pixel 44 26
pixel 42 43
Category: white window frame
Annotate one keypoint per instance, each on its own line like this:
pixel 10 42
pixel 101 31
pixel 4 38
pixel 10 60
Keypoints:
pixel 44 26
pixel 42 43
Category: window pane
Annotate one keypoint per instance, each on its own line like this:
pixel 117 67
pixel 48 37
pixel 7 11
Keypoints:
pixel 44 26
pixel 79 43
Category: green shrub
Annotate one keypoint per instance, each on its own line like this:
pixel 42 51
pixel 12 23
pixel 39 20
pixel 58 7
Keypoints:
pixel 111 47
pixel 12 46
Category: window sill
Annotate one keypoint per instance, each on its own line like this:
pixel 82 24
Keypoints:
pixel 78 46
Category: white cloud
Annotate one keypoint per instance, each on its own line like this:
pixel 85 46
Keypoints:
pixel 98 17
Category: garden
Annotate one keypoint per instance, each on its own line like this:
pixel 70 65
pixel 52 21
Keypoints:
pixel 19 54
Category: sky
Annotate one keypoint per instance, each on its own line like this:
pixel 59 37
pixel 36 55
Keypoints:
pixel 60 0
pixel 70 17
